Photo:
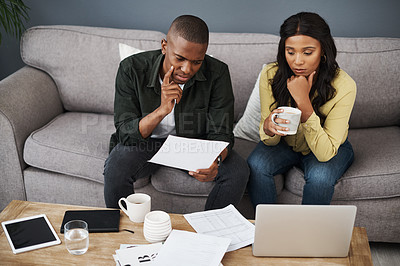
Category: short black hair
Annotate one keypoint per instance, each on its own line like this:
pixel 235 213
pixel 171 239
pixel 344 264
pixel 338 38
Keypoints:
pixel 191 28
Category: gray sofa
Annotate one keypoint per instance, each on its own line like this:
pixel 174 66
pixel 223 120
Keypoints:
pixel 56 118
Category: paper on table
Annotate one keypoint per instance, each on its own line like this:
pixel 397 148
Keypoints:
pixel 188 248
pixel 137 255
pixel 188 154
pixel 227 222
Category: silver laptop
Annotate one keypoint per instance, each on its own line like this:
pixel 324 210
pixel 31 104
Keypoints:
pixel 303 230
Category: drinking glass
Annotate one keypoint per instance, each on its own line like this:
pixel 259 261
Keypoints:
pixel 76 236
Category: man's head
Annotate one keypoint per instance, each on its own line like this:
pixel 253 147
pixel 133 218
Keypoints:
pixel 185 48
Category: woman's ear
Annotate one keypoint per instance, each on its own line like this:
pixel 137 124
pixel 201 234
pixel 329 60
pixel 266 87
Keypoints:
pixel 164 46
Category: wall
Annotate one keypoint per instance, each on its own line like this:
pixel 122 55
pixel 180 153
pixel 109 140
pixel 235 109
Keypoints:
pixel 354 18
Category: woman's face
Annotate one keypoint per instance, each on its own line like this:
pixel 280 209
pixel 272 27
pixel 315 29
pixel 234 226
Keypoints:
pixel 303 54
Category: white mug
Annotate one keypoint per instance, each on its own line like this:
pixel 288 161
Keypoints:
pixel 291 114
pixel 137 206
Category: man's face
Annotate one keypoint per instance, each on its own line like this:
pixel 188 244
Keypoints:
pixel 185 56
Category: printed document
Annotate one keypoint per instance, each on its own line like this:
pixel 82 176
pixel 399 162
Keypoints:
pixel 227 222
pixel 188 154
pixel 184 248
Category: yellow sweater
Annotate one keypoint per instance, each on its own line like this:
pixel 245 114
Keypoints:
pixel 323 141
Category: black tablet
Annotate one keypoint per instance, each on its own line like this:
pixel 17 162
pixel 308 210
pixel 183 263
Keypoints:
pixel 98 220
pixel 30 233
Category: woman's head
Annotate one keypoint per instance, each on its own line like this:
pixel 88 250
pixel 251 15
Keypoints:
pixel 311 25
pixel 306 45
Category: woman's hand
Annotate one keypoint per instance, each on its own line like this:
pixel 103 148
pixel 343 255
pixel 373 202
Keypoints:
pixel 299 87
pixel 270 128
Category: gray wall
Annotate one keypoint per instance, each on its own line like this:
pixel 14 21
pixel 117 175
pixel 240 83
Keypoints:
pixel 347 18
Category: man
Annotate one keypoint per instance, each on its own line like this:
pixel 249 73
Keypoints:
pixel 177 90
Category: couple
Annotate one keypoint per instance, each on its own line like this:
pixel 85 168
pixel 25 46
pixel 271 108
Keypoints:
pixel 182 91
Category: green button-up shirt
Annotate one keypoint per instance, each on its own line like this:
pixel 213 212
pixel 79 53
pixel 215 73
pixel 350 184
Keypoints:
pixel 205 110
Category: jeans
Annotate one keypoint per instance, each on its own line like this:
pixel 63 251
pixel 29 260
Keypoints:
pixel 267 161
pixel 126 164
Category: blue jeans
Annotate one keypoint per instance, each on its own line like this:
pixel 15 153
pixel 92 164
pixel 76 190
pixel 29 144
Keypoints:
pixel 126 164
pixel 267 161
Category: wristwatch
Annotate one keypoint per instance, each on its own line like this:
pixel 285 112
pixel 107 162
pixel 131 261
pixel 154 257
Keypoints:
pixel 219 160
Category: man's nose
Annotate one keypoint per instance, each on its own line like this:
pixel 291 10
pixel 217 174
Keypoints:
pixel 186 67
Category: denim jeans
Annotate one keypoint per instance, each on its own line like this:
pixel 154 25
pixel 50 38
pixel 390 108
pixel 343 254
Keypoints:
pixel 126 164
pixel 267 161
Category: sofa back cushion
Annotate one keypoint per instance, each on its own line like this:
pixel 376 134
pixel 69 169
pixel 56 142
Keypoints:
pixel 83 61
pixel 373 63
pixel 245 54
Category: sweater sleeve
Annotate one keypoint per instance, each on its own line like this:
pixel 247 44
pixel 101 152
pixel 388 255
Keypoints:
pixel 324 141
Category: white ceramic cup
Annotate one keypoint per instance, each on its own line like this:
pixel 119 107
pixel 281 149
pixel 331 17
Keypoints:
pixel 291 114
pixel 137 206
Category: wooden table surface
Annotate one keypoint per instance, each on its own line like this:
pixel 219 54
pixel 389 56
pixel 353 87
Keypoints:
pixel 103 245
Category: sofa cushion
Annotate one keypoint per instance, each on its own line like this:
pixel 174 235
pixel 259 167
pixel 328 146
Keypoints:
pixel 178 182
pixel 248 125
pixel 245 53
pixel 373 64
pixel 83 61
pixel 375 172
pixel 74 144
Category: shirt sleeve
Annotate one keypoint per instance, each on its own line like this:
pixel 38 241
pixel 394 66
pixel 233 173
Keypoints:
pixel 266 99
pixel 324 141
pixel 221 109
pixel 127 112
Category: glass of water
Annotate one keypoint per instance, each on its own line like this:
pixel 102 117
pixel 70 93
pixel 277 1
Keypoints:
pixel 76 236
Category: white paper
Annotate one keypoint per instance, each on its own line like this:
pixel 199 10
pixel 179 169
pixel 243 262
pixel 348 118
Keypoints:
pixel 188 154
pixel 227 222
pixel 136 255
pixel 184 248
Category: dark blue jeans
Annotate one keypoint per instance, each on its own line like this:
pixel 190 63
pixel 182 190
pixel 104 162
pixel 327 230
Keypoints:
pixel 267 161
pixel 126 164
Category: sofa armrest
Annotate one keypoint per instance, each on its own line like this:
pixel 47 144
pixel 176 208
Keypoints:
pixel 28 100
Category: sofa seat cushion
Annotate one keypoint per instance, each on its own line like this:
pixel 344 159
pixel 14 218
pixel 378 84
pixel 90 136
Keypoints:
pixel 74 144
pixel 178 182
pixel 375 172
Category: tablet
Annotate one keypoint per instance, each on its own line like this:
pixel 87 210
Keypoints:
pixel 98 221
pixel 30 233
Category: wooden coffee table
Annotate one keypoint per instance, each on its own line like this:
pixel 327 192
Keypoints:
pixel 103 245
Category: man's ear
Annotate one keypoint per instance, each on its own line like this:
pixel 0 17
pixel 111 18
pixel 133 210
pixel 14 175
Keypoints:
pixel 164 46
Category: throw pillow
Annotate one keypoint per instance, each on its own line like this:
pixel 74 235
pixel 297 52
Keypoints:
pixel 248 125
pixel 126 50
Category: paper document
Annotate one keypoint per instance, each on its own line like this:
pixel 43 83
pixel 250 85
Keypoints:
pixel 188 154
pixel 137 254
pixel 227 222
pixel 184 248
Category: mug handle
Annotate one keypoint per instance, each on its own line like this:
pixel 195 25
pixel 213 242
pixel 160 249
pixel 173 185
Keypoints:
pixel 122 207
pixel 273 118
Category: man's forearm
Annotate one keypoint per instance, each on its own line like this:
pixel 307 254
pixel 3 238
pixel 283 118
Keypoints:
pixel 148 123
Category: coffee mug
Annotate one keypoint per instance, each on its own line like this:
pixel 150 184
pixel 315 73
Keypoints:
pixel 291 114
pixel 137 206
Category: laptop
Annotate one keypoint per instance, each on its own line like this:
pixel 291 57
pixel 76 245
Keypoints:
pixel 303 230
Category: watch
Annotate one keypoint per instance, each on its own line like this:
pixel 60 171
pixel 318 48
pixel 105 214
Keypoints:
pixel 219 160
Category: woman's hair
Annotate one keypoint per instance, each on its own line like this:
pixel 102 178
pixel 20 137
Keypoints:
pixel 312 25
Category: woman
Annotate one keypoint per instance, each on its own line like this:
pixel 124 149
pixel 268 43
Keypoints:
pixel 306 76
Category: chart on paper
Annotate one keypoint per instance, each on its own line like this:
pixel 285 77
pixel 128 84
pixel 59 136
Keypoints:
pixel 226 222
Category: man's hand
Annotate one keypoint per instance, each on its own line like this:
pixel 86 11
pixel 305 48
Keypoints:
pixel 206 175
pixel 170 92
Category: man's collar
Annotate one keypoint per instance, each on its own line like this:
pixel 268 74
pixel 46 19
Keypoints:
pixel 153 82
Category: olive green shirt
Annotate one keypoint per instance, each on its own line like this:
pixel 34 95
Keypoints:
pixel 204 112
